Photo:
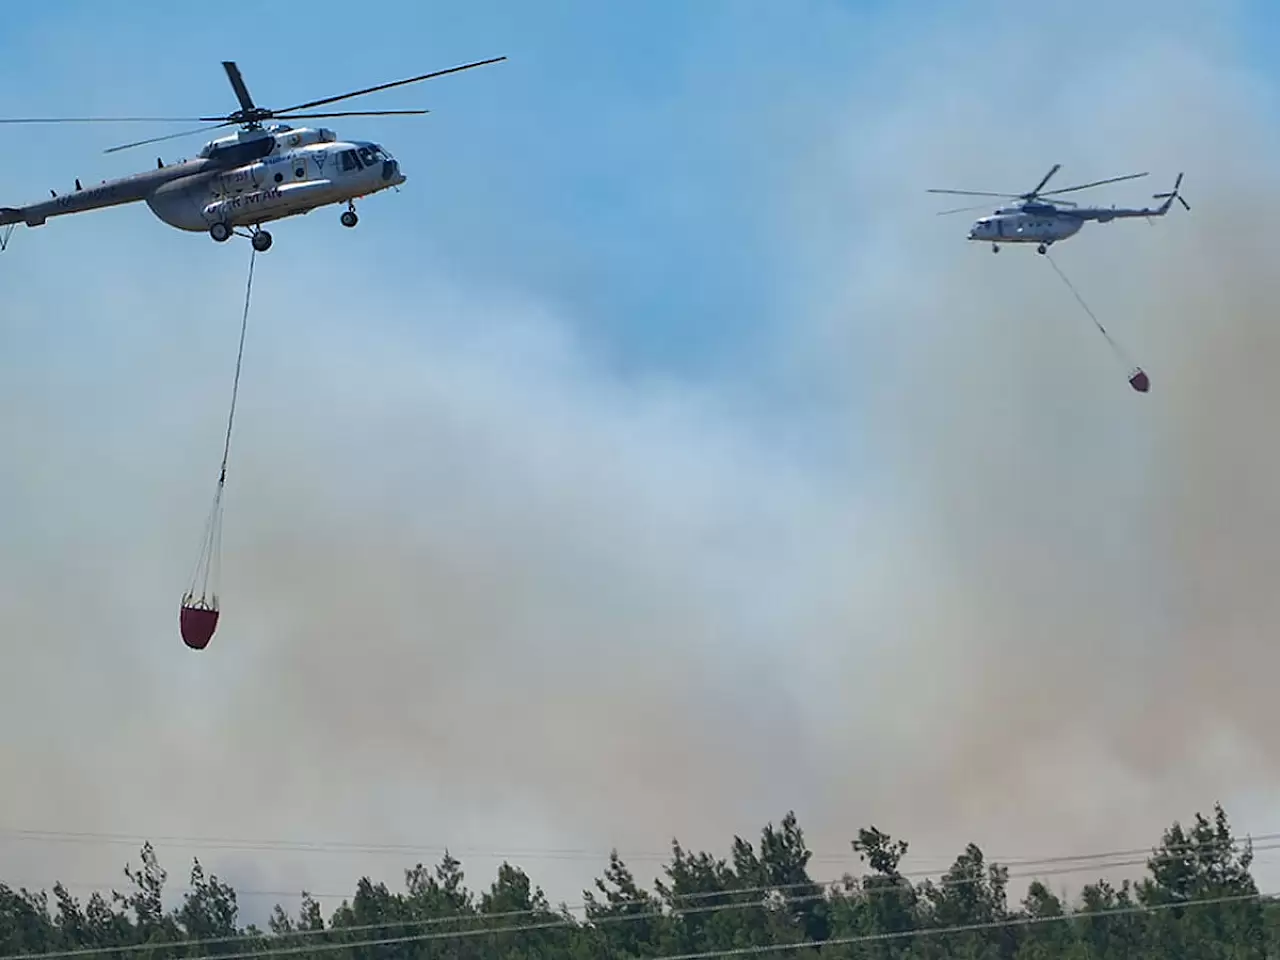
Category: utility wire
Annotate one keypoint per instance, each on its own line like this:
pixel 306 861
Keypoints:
pixel 1099 861
pixel 349 847
pixel 1083 862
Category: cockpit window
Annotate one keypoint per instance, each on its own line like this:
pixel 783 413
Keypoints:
pixel 363 156
pixel 367 156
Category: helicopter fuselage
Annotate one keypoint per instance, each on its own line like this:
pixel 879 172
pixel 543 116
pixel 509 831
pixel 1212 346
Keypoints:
pixel 1025 226
pixel 1046 224
pixel 245 180
pixel 286 183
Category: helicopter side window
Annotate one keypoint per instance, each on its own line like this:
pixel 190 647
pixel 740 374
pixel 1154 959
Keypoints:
pixel 367 156
pixel 349 161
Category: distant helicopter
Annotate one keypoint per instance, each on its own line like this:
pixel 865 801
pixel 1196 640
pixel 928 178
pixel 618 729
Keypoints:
pixel 1033 220
pixel 240 182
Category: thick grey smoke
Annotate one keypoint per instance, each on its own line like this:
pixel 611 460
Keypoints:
pixel 481 593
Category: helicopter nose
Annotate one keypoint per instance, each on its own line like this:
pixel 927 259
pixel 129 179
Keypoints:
pixel 391 172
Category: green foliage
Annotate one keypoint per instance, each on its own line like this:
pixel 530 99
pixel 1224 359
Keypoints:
pixel 1197 901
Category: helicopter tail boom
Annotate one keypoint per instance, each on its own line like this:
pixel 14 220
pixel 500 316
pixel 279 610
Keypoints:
pixel 109 193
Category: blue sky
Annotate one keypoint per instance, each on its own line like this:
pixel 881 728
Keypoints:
pixel 659 394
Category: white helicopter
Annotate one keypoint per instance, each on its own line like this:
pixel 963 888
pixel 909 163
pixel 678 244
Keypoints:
pixel 239 182
pixel 1044 223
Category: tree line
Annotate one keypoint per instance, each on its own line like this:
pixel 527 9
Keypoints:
pixel 1197 900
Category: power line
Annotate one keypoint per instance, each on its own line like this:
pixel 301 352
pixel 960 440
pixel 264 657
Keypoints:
pixel 304 846
pixel 339 846
pixel 830 886
pixel 1169 852
pixel 1188 847
pixel 1096 861
pixel 708 955
pixel 1086 861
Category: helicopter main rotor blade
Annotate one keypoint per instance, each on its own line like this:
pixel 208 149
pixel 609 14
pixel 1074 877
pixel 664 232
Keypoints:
pixel 946 213
pixel 100 120
pixel 351 113
pixel 388 86
pixel 975 193
pixel 1096 183
pixel 170 136
pixel 237 84
pixel 1040 186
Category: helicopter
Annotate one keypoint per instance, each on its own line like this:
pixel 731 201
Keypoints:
pixel 261 173
pixel 1035 220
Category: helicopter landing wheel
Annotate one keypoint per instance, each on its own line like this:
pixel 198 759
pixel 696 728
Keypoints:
pixel 1042 249
pixel 995 248
pixel 261 241
pixel 220 232
pixel 349 218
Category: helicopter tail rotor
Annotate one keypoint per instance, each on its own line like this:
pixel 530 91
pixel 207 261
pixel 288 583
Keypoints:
pixel 1173 195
